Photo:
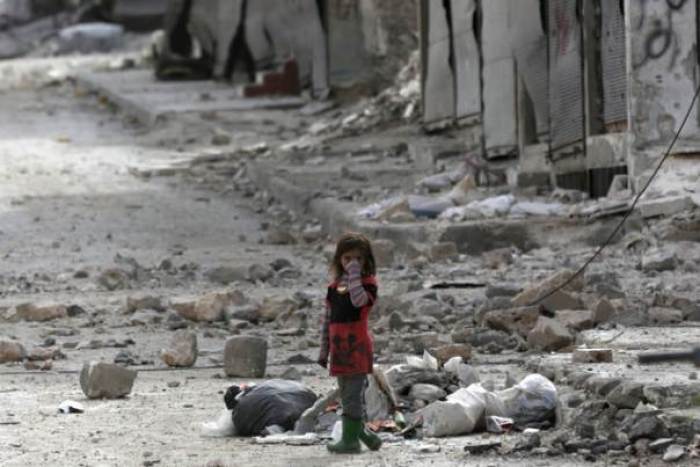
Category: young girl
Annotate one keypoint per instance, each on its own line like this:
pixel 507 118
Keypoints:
pixel 345 336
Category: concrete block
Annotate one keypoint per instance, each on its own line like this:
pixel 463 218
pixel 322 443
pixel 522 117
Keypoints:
pixel 106 380
pixel 33 312
pixel 182 351
pixel 514 320
pixel 667 206
pixel 245 357
pixel 592 356
pixel 575 320
pixel 11 351
pixel 549 335
pixel 446 352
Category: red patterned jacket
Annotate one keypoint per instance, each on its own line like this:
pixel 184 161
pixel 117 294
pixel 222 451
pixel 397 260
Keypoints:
pixel 345 332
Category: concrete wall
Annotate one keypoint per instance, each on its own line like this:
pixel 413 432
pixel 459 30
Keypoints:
pixel 663 63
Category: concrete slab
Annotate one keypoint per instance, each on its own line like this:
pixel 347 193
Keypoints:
pixel 141 96
pixel 438 101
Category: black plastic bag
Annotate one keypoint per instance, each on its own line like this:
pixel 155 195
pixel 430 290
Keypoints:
pixel 275 402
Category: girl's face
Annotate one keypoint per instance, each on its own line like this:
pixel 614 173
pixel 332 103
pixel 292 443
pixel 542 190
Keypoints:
pixel 350 256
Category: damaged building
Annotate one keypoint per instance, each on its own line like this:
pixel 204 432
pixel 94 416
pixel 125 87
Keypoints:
pixel 563 92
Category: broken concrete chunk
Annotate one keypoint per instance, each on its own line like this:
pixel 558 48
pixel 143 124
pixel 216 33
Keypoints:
pixel 443 251
pixel 603 311
pixel 674 453
pixel 106 381
pixel 498 258
pixel 534 292
pixel 667 206
pixel 627 395
pixel 245 357
pixel 514 320
pixel 144 302
pixel 90 37
pixel 446 352
pixel 273 308
pixel 225 275
pixel 113 279
pixel 592 356
pixel 659 261
pixel 208 308
pixel 502 290
pixel 279 236
pixel 549 335
pixel 575 320
pixel 661 315
pixel 32 312
pixel 11 351
pixel 182 351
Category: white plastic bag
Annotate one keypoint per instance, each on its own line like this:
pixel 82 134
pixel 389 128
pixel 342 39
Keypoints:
pixel 222 427
pixel 533 400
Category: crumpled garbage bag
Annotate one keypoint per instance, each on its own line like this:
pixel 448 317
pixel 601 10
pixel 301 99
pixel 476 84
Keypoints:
pixel 531 402
pixel 275 402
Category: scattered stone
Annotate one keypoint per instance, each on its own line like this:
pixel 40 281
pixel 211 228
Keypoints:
pixel 273 308
pixel 226 275
pixel 383 250
pixel 67 407
pixel 514 320
pixel 495 259
pixel 106 381
pixel 673 453
pixel 626 395
pixel 208 308
pixel 291 373
pixel 260 272
pixel 173 384
pixel 446 352
pixel 549 335
pixel 534 292
pixel 113 279
pixel 11 351
pixel 220 138
pixel 575 320
pixel 245 357
pixel 44 365
pixel 182 351
pixel 660 444
pixel 647 426
pixel 44 353
pixel 603 311
pixel 280 263
pixel 659 261
pixel 481 448
pixel 144 302
pixel 502 290
pixel 665 315
pixel 592 356
pixel 279 236
pixel 443 251
pixel 602 385
pixel 248 313
pixel 422 342
pixel 32 312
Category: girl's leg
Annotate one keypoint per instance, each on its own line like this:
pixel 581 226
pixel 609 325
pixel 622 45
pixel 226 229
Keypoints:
pixel 351 400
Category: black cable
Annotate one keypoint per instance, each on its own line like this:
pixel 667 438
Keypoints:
pixel 628 213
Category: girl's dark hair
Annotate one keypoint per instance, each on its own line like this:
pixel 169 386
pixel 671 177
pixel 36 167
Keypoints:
pixel 353 241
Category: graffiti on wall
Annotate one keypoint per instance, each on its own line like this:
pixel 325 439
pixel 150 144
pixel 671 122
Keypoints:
pixel 660 40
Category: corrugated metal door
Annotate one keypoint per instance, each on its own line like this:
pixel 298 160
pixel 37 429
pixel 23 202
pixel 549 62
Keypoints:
pixel 467 60
pixel 566 74
pixel 500 110
pixel 530 50
pixel 613 62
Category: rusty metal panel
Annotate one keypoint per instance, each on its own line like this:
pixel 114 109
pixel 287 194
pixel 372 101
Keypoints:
pixel 566 74
pixel 439 92
pixel 613 50
pixel 530 50
pixel 500 109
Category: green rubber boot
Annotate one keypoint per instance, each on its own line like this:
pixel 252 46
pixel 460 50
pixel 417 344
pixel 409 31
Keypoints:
pixel 371 440
pixel 350 442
